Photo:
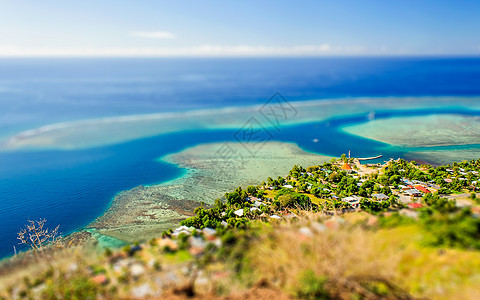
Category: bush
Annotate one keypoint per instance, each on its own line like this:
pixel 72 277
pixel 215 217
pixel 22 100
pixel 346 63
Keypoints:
pixel 374 206
pixel 312 286
pixel 107 252
pixel 440 204
pixel 76 288
pixel 444 191
pixel 287 198
pixel 458 230
pixel 394 220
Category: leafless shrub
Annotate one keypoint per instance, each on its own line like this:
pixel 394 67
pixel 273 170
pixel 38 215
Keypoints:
pixel 37 236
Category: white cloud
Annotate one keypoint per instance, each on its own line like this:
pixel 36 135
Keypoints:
pixel 188 51
pixel 247 50
pixel 153 34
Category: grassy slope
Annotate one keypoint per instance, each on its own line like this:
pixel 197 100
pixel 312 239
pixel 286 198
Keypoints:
pixel 353 254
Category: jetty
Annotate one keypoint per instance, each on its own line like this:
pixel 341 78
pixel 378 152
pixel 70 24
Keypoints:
pixel 370 158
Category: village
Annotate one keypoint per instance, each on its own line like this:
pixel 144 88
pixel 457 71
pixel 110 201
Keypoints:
pixel 346 184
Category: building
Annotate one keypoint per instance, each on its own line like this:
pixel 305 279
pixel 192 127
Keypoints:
pixel 380 196
pixel 422 189
pixel 413 193
pixel 346 167
pixel 354 201
pixel 414 205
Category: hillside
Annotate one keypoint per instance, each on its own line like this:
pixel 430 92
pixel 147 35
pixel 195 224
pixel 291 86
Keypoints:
pixel 337 230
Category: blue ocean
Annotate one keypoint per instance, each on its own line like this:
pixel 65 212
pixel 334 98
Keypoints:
pixel 73 187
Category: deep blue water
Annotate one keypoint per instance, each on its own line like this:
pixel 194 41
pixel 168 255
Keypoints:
pixel 71 188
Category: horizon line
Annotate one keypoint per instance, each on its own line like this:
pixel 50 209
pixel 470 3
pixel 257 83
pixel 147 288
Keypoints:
pixel 420 55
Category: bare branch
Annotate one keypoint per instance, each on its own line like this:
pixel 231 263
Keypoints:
pixel 36 236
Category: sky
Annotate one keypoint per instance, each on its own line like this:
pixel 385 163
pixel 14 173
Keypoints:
pixel 239 28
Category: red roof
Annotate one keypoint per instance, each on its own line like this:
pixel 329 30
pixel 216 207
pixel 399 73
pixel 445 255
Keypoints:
pixel 422 189
pixel 346 166
pixel 415 205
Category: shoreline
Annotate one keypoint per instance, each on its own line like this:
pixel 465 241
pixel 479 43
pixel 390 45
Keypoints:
pixel 144 212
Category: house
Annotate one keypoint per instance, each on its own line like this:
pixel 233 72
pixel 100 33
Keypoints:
pixel 413 192
pixel 288 186
pixel 354 201
pixel 422 189
pixel 380 196
pixel 447 180
pixel 353 197
pixel 414 205
pixel 257 203
pixel 346 167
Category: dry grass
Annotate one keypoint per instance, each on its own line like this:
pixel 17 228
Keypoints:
pixel 284 255
pixel 352 254
pixel 348 256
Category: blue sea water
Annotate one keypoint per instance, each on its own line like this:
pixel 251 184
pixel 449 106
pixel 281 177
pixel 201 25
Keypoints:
pixel 72 188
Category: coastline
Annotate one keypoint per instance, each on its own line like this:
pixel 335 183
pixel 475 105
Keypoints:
pixel 144 212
